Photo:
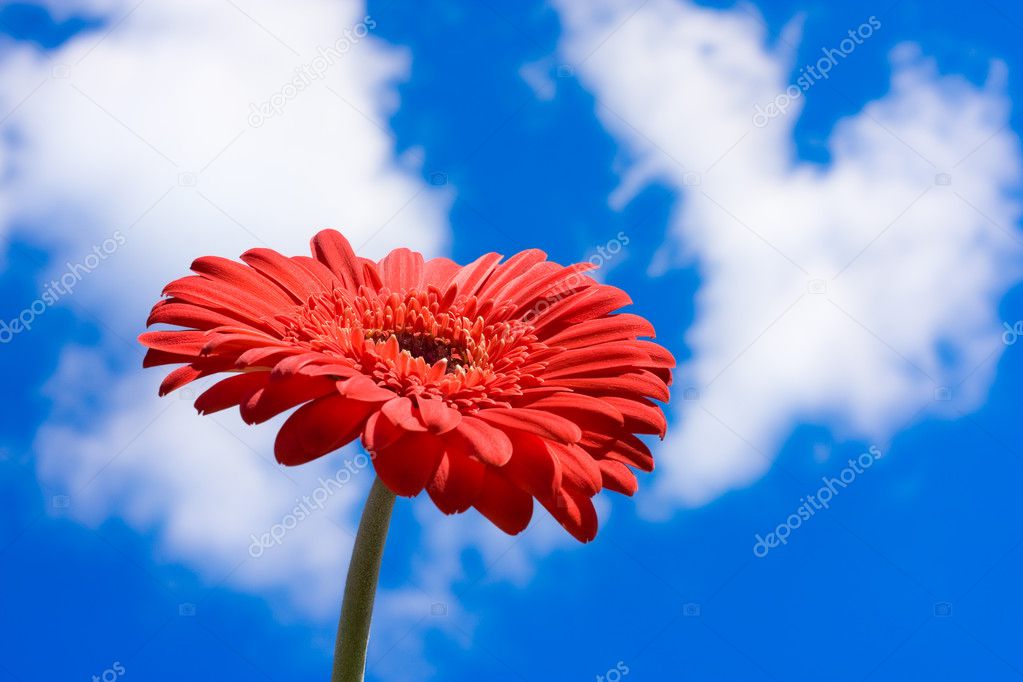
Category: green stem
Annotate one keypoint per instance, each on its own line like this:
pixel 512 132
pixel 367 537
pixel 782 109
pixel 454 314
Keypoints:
pixel 361 586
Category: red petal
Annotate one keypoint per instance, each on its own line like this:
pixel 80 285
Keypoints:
pixel 371 275
pixel 602 330
pixel 284 393
pixel 616 476
pixel 289 276
pixel 469 278
pixel 588 304
pixel 659 355
pixel 224 341
pixel 641 383
pixel 508 271
pixel 336 372
pixel 171 311
pixel 226 299
pixel 333 250
pixel 610 359
pixel 482 441
pixel 575 512
pixel 578 407
pixel 178 378
pixel 409 463
pixel 155 358
pixel 641 416
pixel 541 423
pixel 402 270
pixel 327 280
pixel 437 415
pixel 232 391
pixel 440 271
pixel 546 281
pixel 319 427
pixel 456 482
pixel 188 343
pixel 508 507
pixel 380 433
pixel 241 278
pixel 294 363
pixel 398 411
pixel 532 467
pixel 622 447
pixel 578 468
pixel 364 389
pixel 664 374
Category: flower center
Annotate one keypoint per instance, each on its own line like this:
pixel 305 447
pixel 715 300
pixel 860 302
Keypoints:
pixel 416 342
pixel 419 345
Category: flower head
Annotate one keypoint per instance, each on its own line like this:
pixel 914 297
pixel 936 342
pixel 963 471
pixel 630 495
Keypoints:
pixel 487 385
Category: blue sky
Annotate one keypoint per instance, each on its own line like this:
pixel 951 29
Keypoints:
pixel 824 290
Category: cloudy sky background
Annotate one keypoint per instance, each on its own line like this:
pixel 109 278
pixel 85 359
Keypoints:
pixel 836 264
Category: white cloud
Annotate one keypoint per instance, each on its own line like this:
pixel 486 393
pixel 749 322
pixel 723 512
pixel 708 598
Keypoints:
pixel 912 267
pixel 106 134
pixel 143 128
pixel 208 487
pixel 537 76
pixel 110 131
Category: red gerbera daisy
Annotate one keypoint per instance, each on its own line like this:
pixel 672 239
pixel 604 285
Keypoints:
pixel 487 385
